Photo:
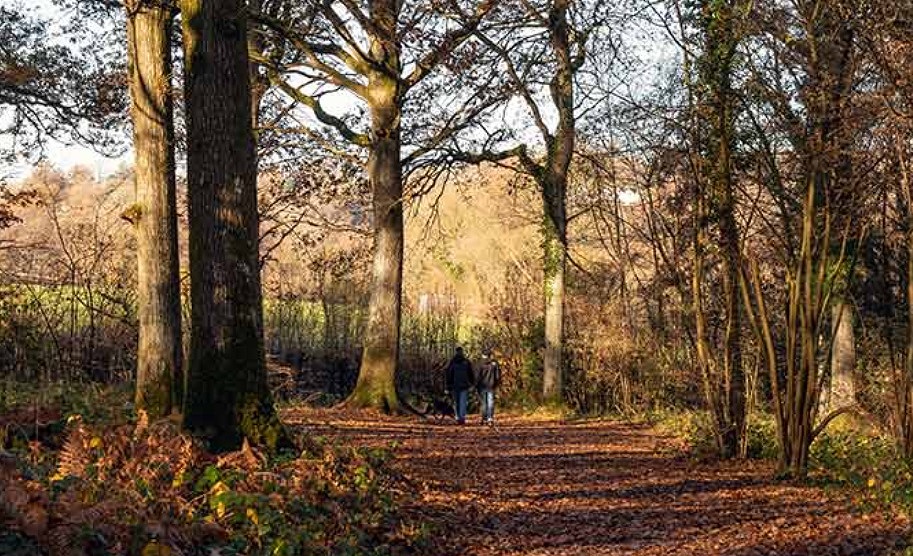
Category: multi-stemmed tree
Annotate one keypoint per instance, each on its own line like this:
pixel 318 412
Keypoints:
pixel 817 191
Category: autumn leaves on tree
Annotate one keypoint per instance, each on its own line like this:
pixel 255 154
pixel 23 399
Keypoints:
pixel 357 49
pixel 408 91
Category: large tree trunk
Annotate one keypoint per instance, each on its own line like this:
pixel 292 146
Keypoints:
pixel 730 245
pixel 553 185
pixel 159 377
pixel 376 386
pixel 555 263
pixel 227 396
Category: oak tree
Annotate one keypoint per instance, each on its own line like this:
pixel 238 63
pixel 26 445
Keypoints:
pixel 227 397
pixel 159 374
pixel 377 53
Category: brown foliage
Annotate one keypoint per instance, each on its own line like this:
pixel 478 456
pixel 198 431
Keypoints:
pixel 120 488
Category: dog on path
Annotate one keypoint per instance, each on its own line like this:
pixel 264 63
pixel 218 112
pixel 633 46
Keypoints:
pixel 439 409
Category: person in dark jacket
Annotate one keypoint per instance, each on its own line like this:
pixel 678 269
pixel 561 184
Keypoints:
pixel 487 381
pixel 460 379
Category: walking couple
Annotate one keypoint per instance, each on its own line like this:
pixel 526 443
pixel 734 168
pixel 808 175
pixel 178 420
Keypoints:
pixel 461 377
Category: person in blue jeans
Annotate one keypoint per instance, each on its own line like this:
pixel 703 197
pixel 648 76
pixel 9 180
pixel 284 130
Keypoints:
pixel 460 379
pixel 487 381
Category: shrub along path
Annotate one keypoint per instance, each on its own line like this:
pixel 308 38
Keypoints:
pixel 536 487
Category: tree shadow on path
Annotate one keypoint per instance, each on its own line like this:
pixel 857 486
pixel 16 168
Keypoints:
pixel 547 488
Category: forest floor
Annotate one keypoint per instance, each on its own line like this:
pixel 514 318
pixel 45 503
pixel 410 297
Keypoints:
pixel 537 486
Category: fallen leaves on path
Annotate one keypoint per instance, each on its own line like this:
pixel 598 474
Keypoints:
pixel 548 488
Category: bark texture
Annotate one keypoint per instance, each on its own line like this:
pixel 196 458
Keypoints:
pixel 227 396
pixel 159 377
pixel 553 185
pixel 555 265
pixel 259 82
pixel 376 385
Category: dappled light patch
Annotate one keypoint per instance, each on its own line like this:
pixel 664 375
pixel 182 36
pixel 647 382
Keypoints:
pixel 536 486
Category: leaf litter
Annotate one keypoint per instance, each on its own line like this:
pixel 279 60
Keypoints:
pixel 543 487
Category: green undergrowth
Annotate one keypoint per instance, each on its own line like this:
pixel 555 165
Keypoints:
pixel 693 433
pixel 94 403
pixel 852 455
pixel 849 455
pixel 549 411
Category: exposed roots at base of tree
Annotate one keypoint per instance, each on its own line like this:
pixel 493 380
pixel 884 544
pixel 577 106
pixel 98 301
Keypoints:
pixel 402 407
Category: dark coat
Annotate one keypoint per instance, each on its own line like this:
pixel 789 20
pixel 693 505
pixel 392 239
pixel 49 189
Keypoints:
pixel 459 374
pixel 489 376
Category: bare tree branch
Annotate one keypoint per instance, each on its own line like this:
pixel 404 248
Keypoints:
pixel 326 118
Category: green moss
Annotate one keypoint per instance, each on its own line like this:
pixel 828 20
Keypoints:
pixel 260 424
pixel 553 257
pixel 374 397
pixel 376 387
pixel 374 392
pixel 155 396
pixel 238 408
pixel 133 213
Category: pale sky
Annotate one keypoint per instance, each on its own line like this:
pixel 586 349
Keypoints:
pixel 66 156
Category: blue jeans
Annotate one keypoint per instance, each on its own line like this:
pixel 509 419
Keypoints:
pixel 488 404
pixel 460 400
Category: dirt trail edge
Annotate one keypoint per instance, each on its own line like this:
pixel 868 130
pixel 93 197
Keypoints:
pixel 542 487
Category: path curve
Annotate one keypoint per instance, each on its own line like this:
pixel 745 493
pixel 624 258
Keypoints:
pixel 535 488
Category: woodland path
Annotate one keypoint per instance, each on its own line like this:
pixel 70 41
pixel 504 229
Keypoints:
pixel 529 487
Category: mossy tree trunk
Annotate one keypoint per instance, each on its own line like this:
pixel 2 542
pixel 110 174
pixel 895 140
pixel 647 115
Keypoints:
pixel 554 241
pixel 733 427
pixel 227 396
pixel 715 205
pixel 159 376
pixel 552 179
pixel 376 385
pixel 369 46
